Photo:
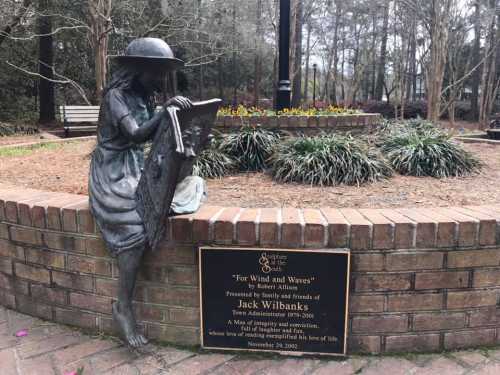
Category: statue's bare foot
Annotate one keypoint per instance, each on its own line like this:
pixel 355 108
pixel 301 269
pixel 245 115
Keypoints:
pixel 126 321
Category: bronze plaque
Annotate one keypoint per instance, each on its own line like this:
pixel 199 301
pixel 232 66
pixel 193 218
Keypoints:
pixel 288 301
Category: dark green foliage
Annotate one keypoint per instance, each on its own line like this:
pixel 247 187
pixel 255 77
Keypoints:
pixel 327 160
pixel 428 152
pixel 213 163
pixel 250 147
pixel 12 129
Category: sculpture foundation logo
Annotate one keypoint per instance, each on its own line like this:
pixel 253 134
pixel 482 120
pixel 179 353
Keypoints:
pixel 272 262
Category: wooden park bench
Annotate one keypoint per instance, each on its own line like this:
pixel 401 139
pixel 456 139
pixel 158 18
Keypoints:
pixel 77 117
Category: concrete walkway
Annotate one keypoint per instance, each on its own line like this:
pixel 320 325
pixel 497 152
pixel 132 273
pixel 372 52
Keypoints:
pixel 51 349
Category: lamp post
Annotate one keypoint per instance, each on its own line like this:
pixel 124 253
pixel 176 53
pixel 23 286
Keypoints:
pixel 284 91
pixel 315 67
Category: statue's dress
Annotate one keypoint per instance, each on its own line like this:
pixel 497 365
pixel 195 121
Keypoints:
pixel 115 171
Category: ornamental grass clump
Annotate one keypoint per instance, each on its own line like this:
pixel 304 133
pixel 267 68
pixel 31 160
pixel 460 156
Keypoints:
pixel 250 147
pixel 213 162
pixel 327 160
pixel 428 152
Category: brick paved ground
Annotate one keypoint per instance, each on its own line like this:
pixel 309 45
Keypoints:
pixel 51 349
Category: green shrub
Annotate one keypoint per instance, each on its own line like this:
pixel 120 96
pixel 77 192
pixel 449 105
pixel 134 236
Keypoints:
pixel 428 152
pixel 250 147
pixel 213 163
pixel 7 129
pixel 327 160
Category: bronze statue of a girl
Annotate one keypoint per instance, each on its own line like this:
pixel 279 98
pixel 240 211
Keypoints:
pixel 127 119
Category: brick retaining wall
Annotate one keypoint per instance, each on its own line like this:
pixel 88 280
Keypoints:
pixel 422 279
pixel 358 123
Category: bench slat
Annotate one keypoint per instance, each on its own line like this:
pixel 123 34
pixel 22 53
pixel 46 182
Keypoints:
pixel 80 111
pixel 69 107
pixel 80 127
pixel 80 119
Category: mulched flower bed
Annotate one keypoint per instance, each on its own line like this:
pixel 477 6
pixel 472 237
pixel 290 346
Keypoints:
pixel 65 168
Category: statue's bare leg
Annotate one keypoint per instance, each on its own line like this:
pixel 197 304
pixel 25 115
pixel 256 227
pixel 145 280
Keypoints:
pixel 128 264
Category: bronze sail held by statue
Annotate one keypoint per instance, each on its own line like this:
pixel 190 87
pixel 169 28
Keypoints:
pixel 182 135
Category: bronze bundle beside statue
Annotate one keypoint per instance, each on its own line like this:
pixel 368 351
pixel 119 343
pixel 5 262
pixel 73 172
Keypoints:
pixel 130 198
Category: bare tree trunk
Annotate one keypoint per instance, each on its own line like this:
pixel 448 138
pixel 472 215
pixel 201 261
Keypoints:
pixel 258 54
pixel 438 54
pixel 379 89
pixel 308 57
pixel 489 83
pixel 297 61
pixel 45 66
pixel 100 17
pixel 476 78
pixel 338 15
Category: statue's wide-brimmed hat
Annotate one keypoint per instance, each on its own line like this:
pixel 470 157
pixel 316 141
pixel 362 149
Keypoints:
pixel 149 51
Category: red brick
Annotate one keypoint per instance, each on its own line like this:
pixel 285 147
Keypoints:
pixel 28 306
pixel 489 316
pixel 473 298
pixel 201 222
pixel 149 312
pixel 268 226
pixel 383 282
pixel 380 324
pixel 184 336
pixel 487 225
pixel 61 242
pixel 486 278
pixel 224 225
pixel 8 299
pixel 106 287
pixel 176 296
pixel 442 280
pixel 89 265
pixel 96 247
pixel 404 229
pixel 44 257
pixel 291 228
pixel 8 361
pixel 382 229
pixel 467 339
pixel 414 261
pixel 364 344
pixel 39 213
pixel 69 215
pixel 167 254
pixel 338 228
pixel 4 231
pixel 72 281
pixel 366 303
pixel 368 262
pixel 425 232
pixel 438 321
pixel 179 275
pixel 185 316
pixel 9 250
pixel 246 227
pixel 182 228
pixel 46 294
pixel 32 273
pixel 447 228
pixel 29 236
pixel 6 266
pixel 473 258
pixel 90 302
pixel 468 228
pixel 86 349
pixel 315 230
pixel 24 207
pixel 54 210
pixel 412 343
pixel 361 229
pixel 415 302
pixel 86 223
pixel 75 318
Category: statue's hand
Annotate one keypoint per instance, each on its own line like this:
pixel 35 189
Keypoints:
pixel 179 101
